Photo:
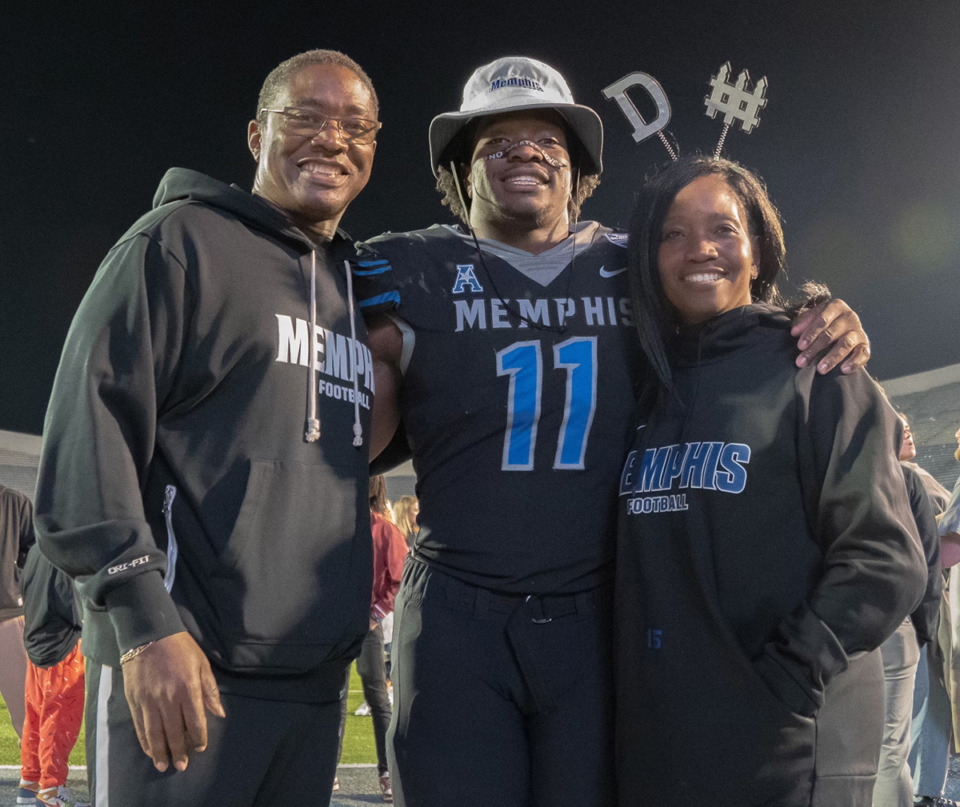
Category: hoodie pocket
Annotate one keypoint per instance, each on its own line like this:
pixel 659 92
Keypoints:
pixel 292 574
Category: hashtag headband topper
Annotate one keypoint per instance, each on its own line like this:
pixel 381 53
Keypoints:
pixel 735 101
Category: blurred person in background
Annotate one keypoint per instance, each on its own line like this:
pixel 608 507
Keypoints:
pixel 902 651
pixel 389 554
pixel 939 495
pixel 16 538
pixel 937 694
pixel 55 676
pixel 406 511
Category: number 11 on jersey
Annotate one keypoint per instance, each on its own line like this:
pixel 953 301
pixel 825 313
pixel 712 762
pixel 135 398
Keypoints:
pixel 523 362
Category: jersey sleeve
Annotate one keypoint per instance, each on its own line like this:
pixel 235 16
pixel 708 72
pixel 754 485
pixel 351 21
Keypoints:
pixel 374 281
pixel 118 366
pixel 874 571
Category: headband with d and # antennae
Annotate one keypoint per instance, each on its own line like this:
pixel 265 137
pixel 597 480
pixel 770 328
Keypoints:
pixel 735 101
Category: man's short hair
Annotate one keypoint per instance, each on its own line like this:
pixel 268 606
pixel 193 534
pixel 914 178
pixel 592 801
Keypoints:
pixel 279 77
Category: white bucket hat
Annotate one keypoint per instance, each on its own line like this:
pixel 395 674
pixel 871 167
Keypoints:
pixel 511 84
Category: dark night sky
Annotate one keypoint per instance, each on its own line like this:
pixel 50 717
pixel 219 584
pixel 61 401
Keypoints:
pixel 858 142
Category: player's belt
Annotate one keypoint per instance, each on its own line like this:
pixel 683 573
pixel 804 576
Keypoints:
pixel 538 608
pixel 541 607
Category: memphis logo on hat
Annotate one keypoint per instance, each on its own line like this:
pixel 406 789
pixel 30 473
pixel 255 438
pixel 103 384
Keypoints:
pixel 515 81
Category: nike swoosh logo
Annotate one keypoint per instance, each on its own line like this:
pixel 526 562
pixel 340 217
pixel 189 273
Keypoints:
pixel 614 273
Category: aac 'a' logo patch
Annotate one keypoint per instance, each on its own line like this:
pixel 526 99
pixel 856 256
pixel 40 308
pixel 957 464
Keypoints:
pixel 620 239
pixel 466 279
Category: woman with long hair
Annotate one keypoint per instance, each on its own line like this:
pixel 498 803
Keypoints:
pixel 765 545
pixel 405 512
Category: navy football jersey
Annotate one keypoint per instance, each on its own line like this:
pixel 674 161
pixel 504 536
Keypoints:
pixel 516 400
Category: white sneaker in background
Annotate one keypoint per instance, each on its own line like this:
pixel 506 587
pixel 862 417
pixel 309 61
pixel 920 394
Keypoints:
pixel 59 797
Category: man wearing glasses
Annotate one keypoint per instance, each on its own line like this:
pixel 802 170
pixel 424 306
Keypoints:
pixel 204 470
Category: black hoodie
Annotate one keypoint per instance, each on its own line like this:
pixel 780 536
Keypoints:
pixel 52 615
pixel 176 485
pixel 766 547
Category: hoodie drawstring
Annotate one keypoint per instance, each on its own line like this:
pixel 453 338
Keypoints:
pixel 357 428
pixel 312 432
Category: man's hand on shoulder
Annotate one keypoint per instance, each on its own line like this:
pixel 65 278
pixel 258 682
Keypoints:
pixel 168 687
pixel 831 324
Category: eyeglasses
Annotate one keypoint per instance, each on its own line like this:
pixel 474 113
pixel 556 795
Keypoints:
pixel 302 122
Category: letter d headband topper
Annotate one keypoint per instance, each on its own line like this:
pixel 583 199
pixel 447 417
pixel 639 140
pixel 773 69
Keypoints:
pixel 735 101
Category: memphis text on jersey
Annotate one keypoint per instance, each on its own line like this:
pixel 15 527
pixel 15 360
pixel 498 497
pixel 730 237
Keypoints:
pixel 662 473
pixel 333 358
pixel 481 313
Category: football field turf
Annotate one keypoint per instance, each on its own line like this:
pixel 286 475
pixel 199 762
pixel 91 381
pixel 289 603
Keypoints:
pixel 357 741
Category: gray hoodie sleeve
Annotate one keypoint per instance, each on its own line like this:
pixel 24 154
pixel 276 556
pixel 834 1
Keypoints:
pixel 874 570
pixel 118 364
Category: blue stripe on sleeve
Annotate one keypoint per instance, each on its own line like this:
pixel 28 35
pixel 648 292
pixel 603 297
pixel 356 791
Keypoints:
pixel 389 297
pixel 368 272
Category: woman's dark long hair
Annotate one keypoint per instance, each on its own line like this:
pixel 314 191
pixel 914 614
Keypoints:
pixel 655 316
